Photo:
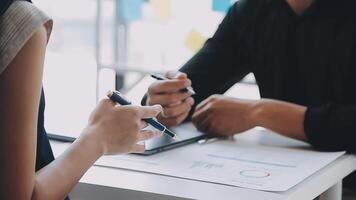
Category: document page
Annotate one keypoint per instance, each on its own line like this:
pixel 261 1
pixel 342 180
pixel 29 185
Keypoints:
pixel 233 163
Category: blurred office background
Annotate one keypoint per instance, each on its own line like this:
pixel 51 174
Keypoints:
pixel 98 45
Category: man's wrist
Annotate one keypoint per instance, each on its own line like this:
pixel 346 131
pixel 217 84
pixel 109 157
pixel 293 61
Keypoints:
pixel 281 117
pixel 258 111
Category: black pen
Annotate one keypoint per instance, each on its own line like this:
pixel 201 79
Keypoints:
pixel 160 78
pixel 118 98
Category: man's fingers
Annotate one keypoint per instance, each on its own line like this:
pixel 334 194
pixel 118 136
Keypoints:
pixel 174 121
pixel 176 110
pixel 205 125
pixel 183 116
pixel 202 104
pixel 149 111
pixel 168 99
pixel 199 116
pixel 202 120
pixel 190 101
pixel 176 75
pixel 148 134
pixel 203 111
pixel 138 148
pixel 169 86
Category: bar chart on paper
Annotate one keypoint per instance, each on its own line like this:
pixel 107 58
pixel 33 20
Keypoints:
pixel 231 163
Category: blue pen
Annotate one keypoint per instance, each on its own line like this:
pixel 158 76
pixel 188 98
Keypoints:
pixel 118 98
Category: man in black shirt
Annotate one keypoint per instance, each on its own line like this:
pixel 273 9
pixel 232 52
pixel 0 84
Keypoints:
pixel 303 55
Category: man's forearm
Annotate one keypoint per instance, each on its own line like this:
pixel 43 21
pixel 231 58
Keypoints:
pixel 282 117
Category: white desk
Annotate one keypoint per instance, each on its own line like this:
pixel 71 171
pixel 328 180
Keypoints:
pixel 109 183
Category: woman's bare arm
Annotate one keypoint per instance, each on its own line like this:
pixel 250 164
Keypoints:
pixel 20 88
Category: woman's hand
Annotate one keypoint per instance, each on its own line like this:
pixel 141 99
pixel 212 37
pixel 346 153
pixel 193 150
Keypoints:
pixel 223 115
pixel 118 129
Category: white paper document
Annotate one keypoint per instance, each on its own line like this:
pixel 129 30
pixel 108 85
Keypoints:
pixel 235 163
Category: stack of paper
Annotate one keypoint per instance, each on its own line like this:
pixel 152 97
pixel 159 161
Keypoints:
pixel 235 163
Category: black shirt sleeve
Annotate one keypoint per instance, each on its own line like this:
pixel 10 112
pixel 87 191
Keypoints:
pixel 331 127
pixel 222 61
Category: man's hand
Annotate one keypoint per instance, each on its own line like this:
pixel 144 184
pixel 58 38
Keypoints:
pixel 223 115
pixel 176 104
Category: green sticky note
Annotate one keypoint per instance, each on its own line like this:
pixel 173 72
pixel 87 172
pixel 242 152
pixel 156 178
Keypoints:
pixel 221 5
pixel 130 10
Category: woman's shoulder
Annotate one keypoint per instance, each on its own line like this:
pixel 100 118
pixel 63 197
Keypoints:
pixel 24 9
pixel 18 23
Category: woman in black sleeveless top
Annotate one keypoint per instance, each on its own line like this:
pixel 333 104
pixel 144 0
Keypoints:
pixel 28 169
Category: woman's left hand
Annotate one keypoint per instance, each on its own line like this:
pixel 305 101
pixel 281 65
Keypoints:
pixel 223 115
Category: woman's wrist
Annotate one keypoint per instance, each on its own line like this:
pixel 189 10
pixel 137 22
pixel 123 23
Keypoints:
pixel 92 140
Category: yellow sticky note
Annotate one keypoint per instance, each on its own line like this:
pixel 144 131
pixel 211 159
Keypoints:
pixel 162 9
pixel 195 40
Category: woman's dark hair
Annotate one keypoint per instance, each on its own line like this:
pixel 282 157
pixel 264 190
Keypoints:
pixel 5 4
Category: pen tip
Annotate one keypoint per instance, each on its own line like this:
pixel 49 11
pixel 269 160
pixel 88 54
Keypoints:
pixel 172 134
